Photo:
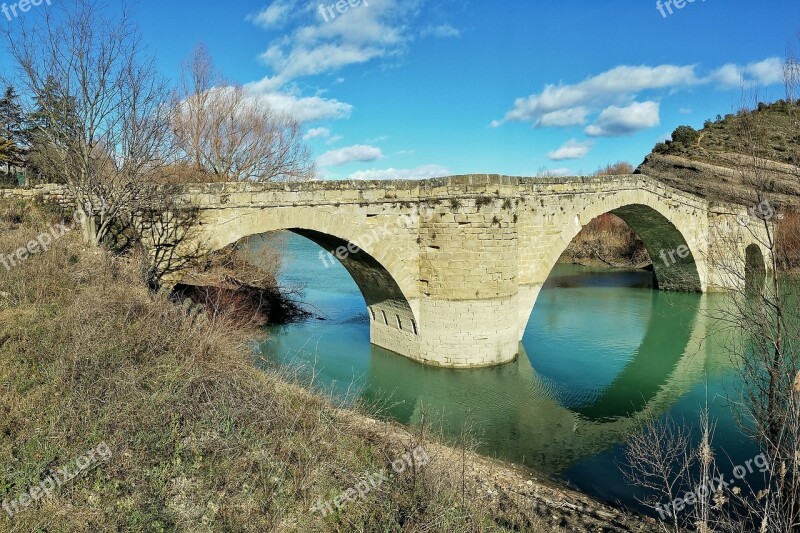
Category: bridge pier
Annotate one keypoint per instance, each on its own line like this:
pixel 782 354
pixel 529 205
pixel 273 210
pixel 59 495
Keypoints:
pixel 468 281
pixel 469 333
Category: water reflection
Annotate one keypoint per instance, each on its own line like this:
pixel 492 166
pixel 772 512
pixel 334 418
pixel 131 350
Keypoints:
pixel 529 416
pixel 601 347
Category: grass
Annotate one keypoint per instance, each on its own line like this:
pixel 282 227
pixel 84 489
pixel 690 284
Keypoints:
pixel 201 440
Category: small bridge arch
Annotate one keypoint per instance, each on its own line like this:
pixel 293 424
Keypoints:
pixel 363 251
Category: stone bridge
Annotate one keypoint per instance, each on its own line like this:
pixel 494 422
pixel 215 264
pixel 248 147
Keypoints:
pixel 450 268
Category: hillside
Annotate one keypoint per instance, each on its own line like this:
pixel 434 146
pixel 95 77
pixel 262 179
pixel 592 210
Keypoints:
pixel 717 162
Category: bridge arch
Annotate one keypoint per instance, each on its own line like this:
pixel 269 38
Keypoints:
pixel 366 252
pixel 672 232
pixel 755 269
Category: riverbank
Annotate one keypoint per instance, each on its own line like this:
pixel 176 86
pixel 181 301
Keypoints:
pixel 199 439
pixel 545 503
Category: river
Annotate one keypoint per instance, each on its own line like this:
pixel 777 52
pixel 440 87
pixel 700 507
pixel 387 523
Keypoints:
pixel 601 349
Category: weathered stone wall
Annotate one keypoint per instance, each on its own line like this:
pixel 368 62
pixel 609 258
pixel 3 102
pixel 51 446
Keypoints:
pixel 48 193
pixel 732 229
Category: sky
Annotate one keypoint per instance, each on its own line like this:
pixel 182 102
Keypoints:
pixel 424 88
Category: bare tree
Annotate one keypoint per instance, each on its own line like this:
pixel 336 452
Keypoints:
pixel 791 75
pixel 761 320
pixel 82 64
pixel 764 311
pixel 233 136
pixel 617 169
pixel 679 475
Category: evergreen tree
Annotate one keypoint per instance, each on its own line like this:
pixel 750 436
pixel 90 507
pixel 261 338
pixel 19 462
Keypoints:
pixel 53 120
pixel 14 131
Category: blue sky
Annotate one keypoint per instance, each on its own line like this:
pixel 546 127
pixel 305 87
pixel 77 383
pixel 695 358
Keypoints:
pixel 419 88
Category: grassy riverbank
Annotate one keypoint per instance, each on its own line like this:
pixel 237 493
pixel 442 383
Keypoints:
pixel 200 440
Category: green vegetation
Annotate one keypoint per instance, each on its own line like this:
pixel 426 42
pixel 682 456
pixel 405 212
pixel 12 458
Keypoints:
pixel 684 137
pixel 778 119
pixel 14 135
pixel 714 161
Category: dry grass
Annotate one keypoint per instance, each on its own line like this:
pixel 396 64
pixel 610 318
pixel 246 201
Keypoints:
pixel 788 239
pixel 201 439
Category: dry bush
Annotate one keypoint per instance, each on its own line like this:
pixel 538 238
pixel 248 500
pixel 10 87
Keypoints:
pixel 609 240
pixel 617 169
pixel 40 276
pixel 240 283
pixel 788 239
pixel 12 212
pixel 185 172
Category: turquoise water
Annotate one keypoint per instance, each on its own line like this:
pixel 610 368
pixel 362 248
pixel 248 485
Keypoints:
pixel 601 348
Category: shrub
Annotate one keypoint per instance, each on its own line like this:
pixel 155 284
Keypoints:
pixel 685 135
pixel 661 148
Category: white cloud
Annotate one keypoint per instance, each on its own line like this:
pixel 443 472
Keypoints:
pixel 301 108
pixel 308 61
pixel 316 132
pixel 572 149
pixel 442 30
pixel 614 86
pixel 313 46
pixel 563 118
pixel 766 72
pixel 418 173
pixel 275 15
pixel 362 33
pixel 565 105
pixel 556 172
pixel 335 139
pixel 351 154
pixel 617 121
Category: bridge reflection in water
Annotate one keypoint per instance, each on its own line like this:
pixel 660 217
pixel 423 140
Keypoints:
pixel 573 406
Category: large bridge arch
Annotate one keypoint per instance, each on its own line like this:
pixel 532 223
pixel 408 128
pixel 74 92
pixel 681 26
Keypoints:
pixel 366 252
pixel 673 231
